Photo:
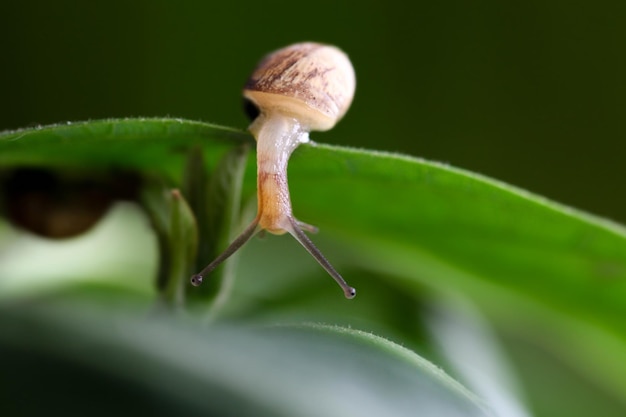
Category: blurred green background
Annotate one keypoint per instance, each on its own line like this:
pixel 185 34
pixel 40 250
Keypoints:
pixel 532 93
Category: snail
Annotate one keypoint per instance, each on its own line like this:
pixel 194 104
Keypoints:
pixel 297 89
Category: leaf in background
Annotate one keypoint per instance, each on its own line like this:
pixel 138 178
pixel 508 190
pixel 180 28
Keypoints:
pixel 552 272
pixel 222 370
pixel 220 216
pixel 539 268
pixel 157 149
pixel 177 233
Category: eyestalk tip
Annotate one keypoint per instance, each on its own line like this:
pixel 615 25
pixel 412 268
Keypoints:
pixel 196 280
pixel 349 292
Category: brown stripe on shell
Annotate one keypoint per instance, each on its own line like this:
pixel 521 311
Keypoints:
pixel 297 72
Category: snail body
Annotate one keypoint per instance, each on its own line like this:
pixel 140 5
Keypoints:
pixel 303 87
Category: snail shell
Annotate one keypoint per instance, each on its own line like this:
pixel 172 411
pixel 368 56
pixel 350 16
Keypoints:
pixel 312 82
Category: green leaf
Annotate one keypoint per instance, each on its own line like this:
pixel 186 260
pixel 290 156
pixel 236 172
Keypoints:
pixel 174 364
pixel 532 264
pixel 150 145
pixel 535 267
pixel 222 219
pixel 175 226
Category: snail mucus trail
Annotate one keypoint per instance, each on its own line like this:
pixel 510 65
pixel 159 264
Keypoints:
pixel 297 89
